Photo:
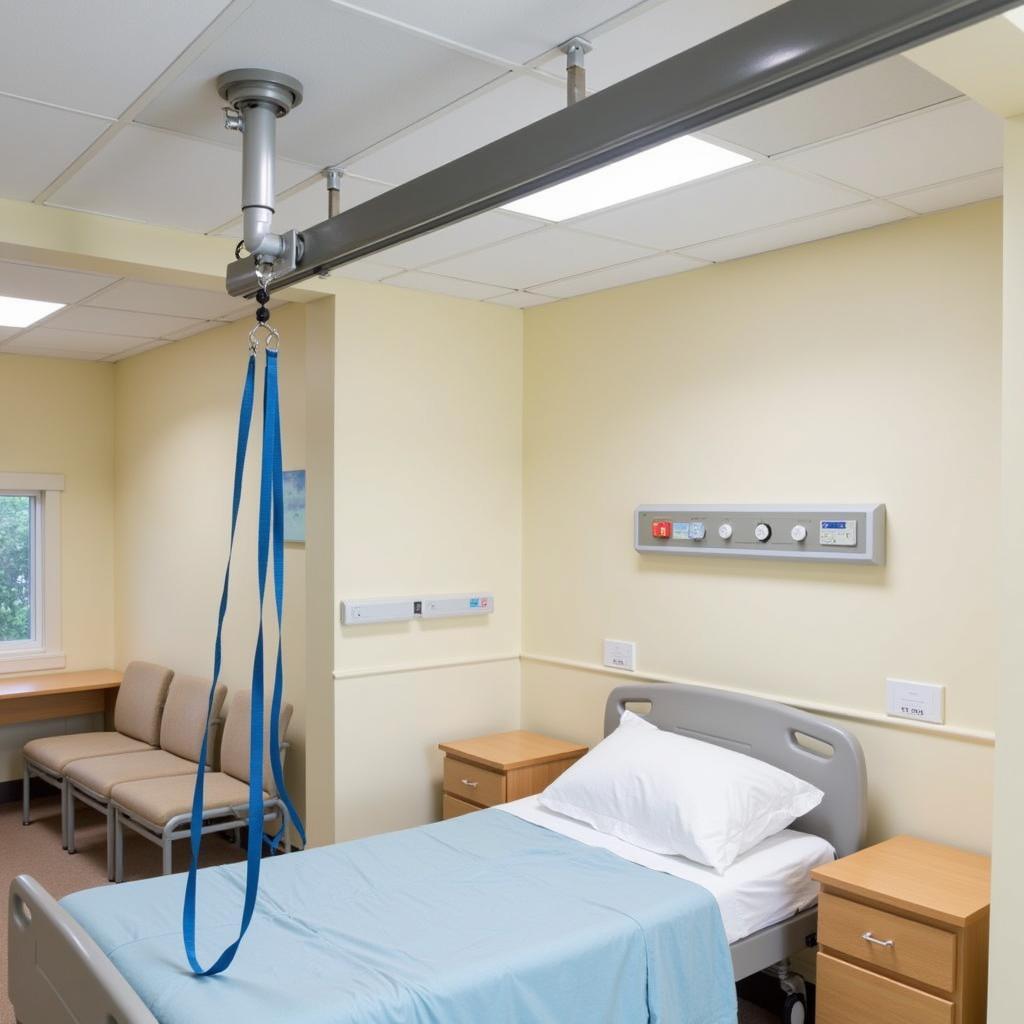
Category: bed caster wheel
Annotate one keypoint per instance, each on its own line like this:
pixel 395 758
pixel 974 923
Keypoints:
pixel 794 1010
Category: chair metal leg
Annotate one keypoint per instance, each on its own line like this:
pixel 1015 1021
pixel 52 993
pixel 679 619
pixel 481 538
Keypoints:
pixel 71 817
pixel 167 855
pixel 110 843
pixel 64 814
pixel 118 847
pixel 26 796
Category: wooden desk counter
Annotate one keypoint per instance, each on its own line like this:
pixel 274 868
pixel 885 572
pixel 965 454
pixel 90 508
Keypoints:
pixel 58 695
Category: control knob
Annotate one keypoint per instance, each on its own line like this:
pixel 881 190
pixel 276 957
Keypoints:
pixel 798 533
pixel 762 532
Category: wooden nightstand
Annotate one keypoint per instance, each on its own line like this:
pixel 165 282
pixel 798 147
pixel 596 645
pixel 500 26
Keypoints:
pixel 505 766
pixel 903 933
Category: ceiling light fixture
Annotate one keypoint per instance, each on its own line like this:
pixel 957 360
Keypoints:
pixel 1017 17
pixel 24 312
pixel 654 170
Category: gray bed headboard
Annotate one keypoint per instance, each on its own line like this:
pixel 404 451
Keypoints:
pixel 814 750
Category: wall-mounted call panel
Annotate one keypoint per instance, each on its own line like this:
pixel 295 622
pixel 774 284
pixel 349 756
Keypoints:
pixel 810 533
pixel 367 611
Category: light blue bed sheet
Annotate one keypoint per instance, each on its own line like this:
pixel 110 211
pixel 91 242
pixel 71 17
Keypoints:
pixel 484 919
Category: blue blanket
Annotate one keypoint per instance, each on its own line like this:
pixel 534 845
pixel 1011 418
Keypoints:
pixel 485 919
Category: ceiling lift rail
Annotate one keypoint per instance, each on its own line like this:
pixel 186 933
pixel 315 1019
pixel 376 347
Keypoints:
pixel 793 46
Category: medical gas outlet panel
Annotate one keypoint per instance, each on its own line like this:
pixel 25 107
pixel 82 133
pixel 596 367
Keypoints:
pixel 811 533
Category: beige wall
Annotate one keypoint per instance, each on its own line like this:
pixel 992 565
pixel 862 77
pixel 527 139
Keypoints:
pixel 428 456
pixel 176 421
pixel 1008 838
pixel 56 416
pixel 859 368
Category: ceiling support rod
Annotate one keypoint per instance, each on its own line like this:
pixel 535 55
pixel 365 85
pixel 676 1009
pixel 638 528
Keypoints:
pixel 256 99
pixel 793 46
pixel 333 176
pixel 575 51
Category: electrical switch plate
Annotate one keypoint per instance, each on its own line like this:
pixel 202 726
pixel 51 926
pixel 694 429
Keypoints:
pixel 448 605
pixel 620 654
pixel 387 609
pixel 921 702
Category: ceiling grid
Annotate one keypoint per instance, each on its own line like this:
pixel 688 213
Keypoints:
pixel 405 87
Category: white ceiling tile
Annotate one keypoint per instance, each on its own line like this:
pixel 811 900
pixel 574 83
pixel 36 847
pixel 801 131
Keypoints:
pixel 197 328
pixel 364 270
pixel 40 142
pixel 422 282
pixel 484 229
pixel 935 145
pixel 516 30
pixel 364 78
pixel 117 322
pixel 521 300
pixel 48 284
pixel 741 200
pixel 656 34
pixel 168 300
pixel 627 273
pixel 544 255
pixel 855 100
pixel 9 332
pixel 166 179
pixel 511 103
pixel 20 348
pixel 97 56
pixel 953 193
pixel 836 222
pixel 82 342
pixel 308 206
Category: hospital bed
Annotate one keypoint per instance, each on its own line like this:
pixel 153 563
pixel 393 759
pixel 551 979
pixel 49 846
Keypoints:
pixel 62 955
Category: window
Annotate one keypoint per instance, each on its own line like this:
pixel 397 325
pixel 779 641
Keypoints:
pixel 19 583
pixel 30 600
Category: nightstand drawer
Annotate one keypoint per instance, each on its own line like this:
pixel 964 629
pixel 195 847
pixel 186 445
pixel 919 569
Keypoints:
pixel 908 948
pixel 471 782
pixel 452 807
pixel 853 995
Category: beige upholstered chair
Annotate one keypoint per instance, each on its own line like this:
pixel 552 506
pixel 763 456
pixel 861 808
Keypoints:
pixel 161 809
pixel 181 735
pixel 140 702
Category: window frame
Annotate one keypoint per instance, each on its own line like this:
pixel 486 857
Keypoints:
pixel 44 649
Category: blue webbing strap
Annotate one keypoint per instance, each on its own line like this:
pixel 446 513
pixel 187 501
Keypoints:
pixel 270 519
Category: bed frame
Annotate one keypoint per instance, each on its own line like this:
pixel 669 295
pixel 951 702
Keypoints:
pixel 57 974
pixel 814 750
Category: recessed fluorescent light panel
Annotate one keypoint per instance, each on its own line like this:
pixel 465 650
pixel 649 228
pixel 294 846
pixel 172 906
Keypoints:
pixel 1017 17
pixel 654 170
pixel 24 312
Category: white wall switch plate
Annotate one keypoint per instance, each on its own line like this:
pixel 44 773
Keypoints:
pixel 620 654
pixel 387 609
pixel 921 702
pixel 449 605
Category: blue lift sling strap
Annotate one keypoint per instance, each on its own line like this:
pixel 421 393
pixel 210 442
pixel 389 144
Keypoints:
pixel 270 529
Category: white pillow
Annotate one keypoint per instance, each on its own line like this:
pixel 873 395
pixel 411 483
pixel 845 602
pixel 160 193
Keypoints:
pixel 675 795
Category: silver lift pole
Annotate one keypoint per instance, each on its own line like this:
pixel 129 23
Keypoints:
pixel 256 98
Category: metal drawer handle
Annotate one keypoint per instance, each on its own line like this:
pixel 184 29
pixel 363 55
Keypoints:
pixel 470 783
pixel 887 943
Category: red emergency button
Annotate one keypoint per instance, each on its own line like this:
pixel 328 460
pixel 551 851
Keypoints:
pixel 661 528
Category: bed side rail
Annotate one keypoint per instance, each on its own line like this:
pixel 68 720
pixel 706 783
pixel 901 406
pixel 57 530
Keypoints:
pixel 56 973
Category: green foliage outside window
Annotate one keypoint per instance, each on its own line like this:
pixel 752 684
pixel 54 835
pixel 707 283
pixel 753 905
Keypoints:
pixel 15 567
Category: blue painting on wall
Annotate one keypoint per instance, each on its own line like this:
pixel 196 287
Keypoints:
pixel 295 505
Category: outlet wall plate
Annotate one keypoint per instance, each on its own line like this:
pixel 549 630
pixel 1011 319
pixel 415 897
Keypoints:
pixel 920 702
pixel 620 654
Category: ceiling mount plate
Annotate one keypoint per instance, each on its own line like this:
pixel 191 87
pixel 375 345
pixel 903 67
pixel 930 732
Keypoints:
pixel 244 86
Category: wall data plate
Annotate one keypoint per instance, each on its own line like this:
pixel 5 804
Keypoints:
pixel 808 533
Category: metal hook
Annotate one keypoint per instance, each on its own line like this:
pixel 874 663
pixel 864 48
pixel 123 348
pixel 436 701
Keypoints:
pixel 271 339
pixel 264 273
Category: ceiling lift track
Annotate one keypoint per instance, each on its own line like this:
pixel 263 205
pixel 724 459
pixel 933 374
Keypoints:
pixel 791 47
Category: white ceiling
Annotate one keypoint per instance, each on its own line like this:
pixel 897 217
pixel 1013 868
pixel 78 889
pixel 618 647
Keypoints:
pixel 110 107
pixel 108 318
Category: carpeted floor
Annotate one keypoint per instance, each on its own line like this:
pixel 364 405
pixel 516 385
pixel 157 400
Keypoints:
pixel 36 850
